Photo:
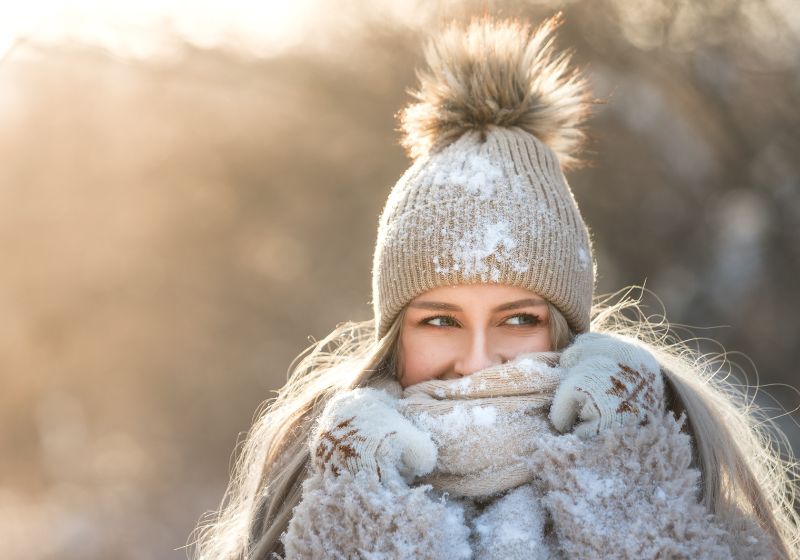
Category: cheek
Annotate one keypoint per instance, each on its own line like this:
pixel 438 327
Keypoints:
pixel 420 358
pixel 511 346
pixel 542 342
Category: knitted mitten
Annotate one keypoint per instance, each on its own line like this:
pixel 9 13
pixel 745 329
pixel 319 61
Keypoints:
pixel 610 380
pixel 361 430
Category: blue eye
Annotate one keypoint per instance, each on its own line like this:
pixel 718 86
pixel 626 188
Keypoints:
pixel 523 319
pixel 440 321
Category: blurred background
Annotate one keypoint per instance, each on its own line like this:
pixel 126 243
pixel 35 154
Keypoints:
pixel 189 191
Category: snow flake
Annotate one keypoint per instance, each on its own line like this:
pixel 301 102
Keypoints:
pixel 484 415
pixel 583 258
pixel 527 365
pixel 477 177
pixel 471 252
pixel 595 486
pixel 462 385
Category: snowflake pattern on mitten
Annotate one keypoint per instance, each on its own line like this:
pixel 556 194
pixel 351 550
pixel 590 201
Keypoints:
pixel 610 381
pixel 337 441
pixel 341 445
pixel 361 430
pixel 635 389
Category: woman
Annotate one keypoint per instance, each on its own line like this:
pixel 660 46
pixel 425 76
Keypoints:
pixel 490 410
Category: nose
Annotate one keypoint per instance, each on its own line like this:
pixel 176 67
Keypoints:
pixel 476 356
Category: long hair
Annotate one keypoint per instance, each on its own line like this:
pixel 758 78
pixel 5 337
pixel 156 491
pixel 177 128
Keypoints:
pixel 738 448
pixel 273 461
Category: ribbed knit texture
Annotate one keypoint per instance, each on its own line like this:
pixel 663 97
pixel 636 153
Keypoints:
pixel 484 210
pixel 486 424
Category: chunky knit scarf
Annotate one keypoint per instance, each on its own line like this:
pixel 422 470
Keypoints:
pixel 485 425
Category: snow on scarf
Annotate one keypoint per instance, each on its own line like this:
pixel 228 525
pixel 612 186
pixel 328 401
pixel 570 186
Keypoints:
pixel 485 425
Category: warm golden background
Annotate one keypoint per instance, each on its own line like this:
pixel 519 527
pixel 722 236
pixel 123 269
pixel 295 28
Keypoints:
pixel 188 191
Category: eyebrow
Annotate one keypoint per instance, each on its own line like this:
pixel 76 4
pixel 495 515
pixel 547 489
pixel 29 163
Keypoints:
pixel 441 306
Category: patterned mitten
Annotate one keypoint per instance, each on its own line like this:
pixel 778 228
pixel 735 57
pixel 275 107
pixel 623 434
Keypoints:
pixel 361 430
pixel 609 381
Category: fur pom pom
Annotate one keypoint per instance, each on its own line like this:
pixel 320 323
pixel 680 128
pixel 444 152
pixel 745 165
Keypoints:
pixel 497 73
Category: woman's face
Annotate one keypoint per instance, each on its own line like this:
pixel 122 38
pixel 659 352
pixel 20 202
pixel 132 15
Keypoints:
pixel 454 331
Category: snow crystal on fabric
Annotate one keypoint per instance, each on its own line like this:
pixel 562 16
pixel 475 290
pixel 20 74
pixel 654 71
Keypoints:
pixel 594 486
pixel 478 176
pixel 459 420
pixel 629 493
pixel 512 528
pixel 463 384
pixel 528 365
pixel 583 258
pixel 355 516
pixel 471 253
pixel 482 425
pixel 484 415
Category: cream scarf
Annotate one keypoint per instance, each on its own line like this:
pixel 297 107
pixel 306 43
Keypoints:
pixel 486 424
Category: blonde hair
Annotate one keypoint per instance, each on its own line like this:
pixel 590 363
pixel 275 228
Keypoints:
pixel 737 446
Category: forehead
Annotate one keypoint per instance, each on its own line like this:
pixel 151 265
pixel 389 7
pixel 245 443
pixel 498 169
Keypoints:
pixel 476 295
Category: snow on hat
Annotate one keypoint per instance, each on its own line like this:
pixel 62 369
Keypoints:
pixel 497 114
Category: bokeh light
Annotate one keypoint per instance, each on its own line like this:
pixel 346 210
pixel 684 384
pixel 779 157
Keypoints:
pixel 189 191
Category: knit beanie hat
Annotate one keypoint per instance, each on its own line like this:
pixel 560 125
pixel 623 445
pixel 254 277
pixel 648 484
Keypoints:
pixel 497 114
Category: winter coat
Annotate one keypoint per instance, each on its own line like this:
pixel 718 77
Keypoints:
pixel 630 492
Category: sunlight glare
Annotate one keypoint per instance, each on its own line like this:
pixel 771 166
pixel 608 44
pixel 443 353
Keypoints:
pixel 150 27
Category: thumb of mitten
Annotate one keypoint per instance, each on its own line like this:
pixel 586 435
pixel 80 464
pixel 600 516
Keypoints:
pixel 569 403
pixel 419 452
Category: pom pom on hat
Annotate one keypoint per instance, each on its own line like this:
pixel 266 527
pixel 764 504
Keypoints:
pixel 497 73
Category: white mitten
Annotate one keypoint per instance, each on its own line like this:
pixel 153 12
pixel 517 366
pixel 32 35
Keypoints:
pixel 610 380
pixel 362 430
